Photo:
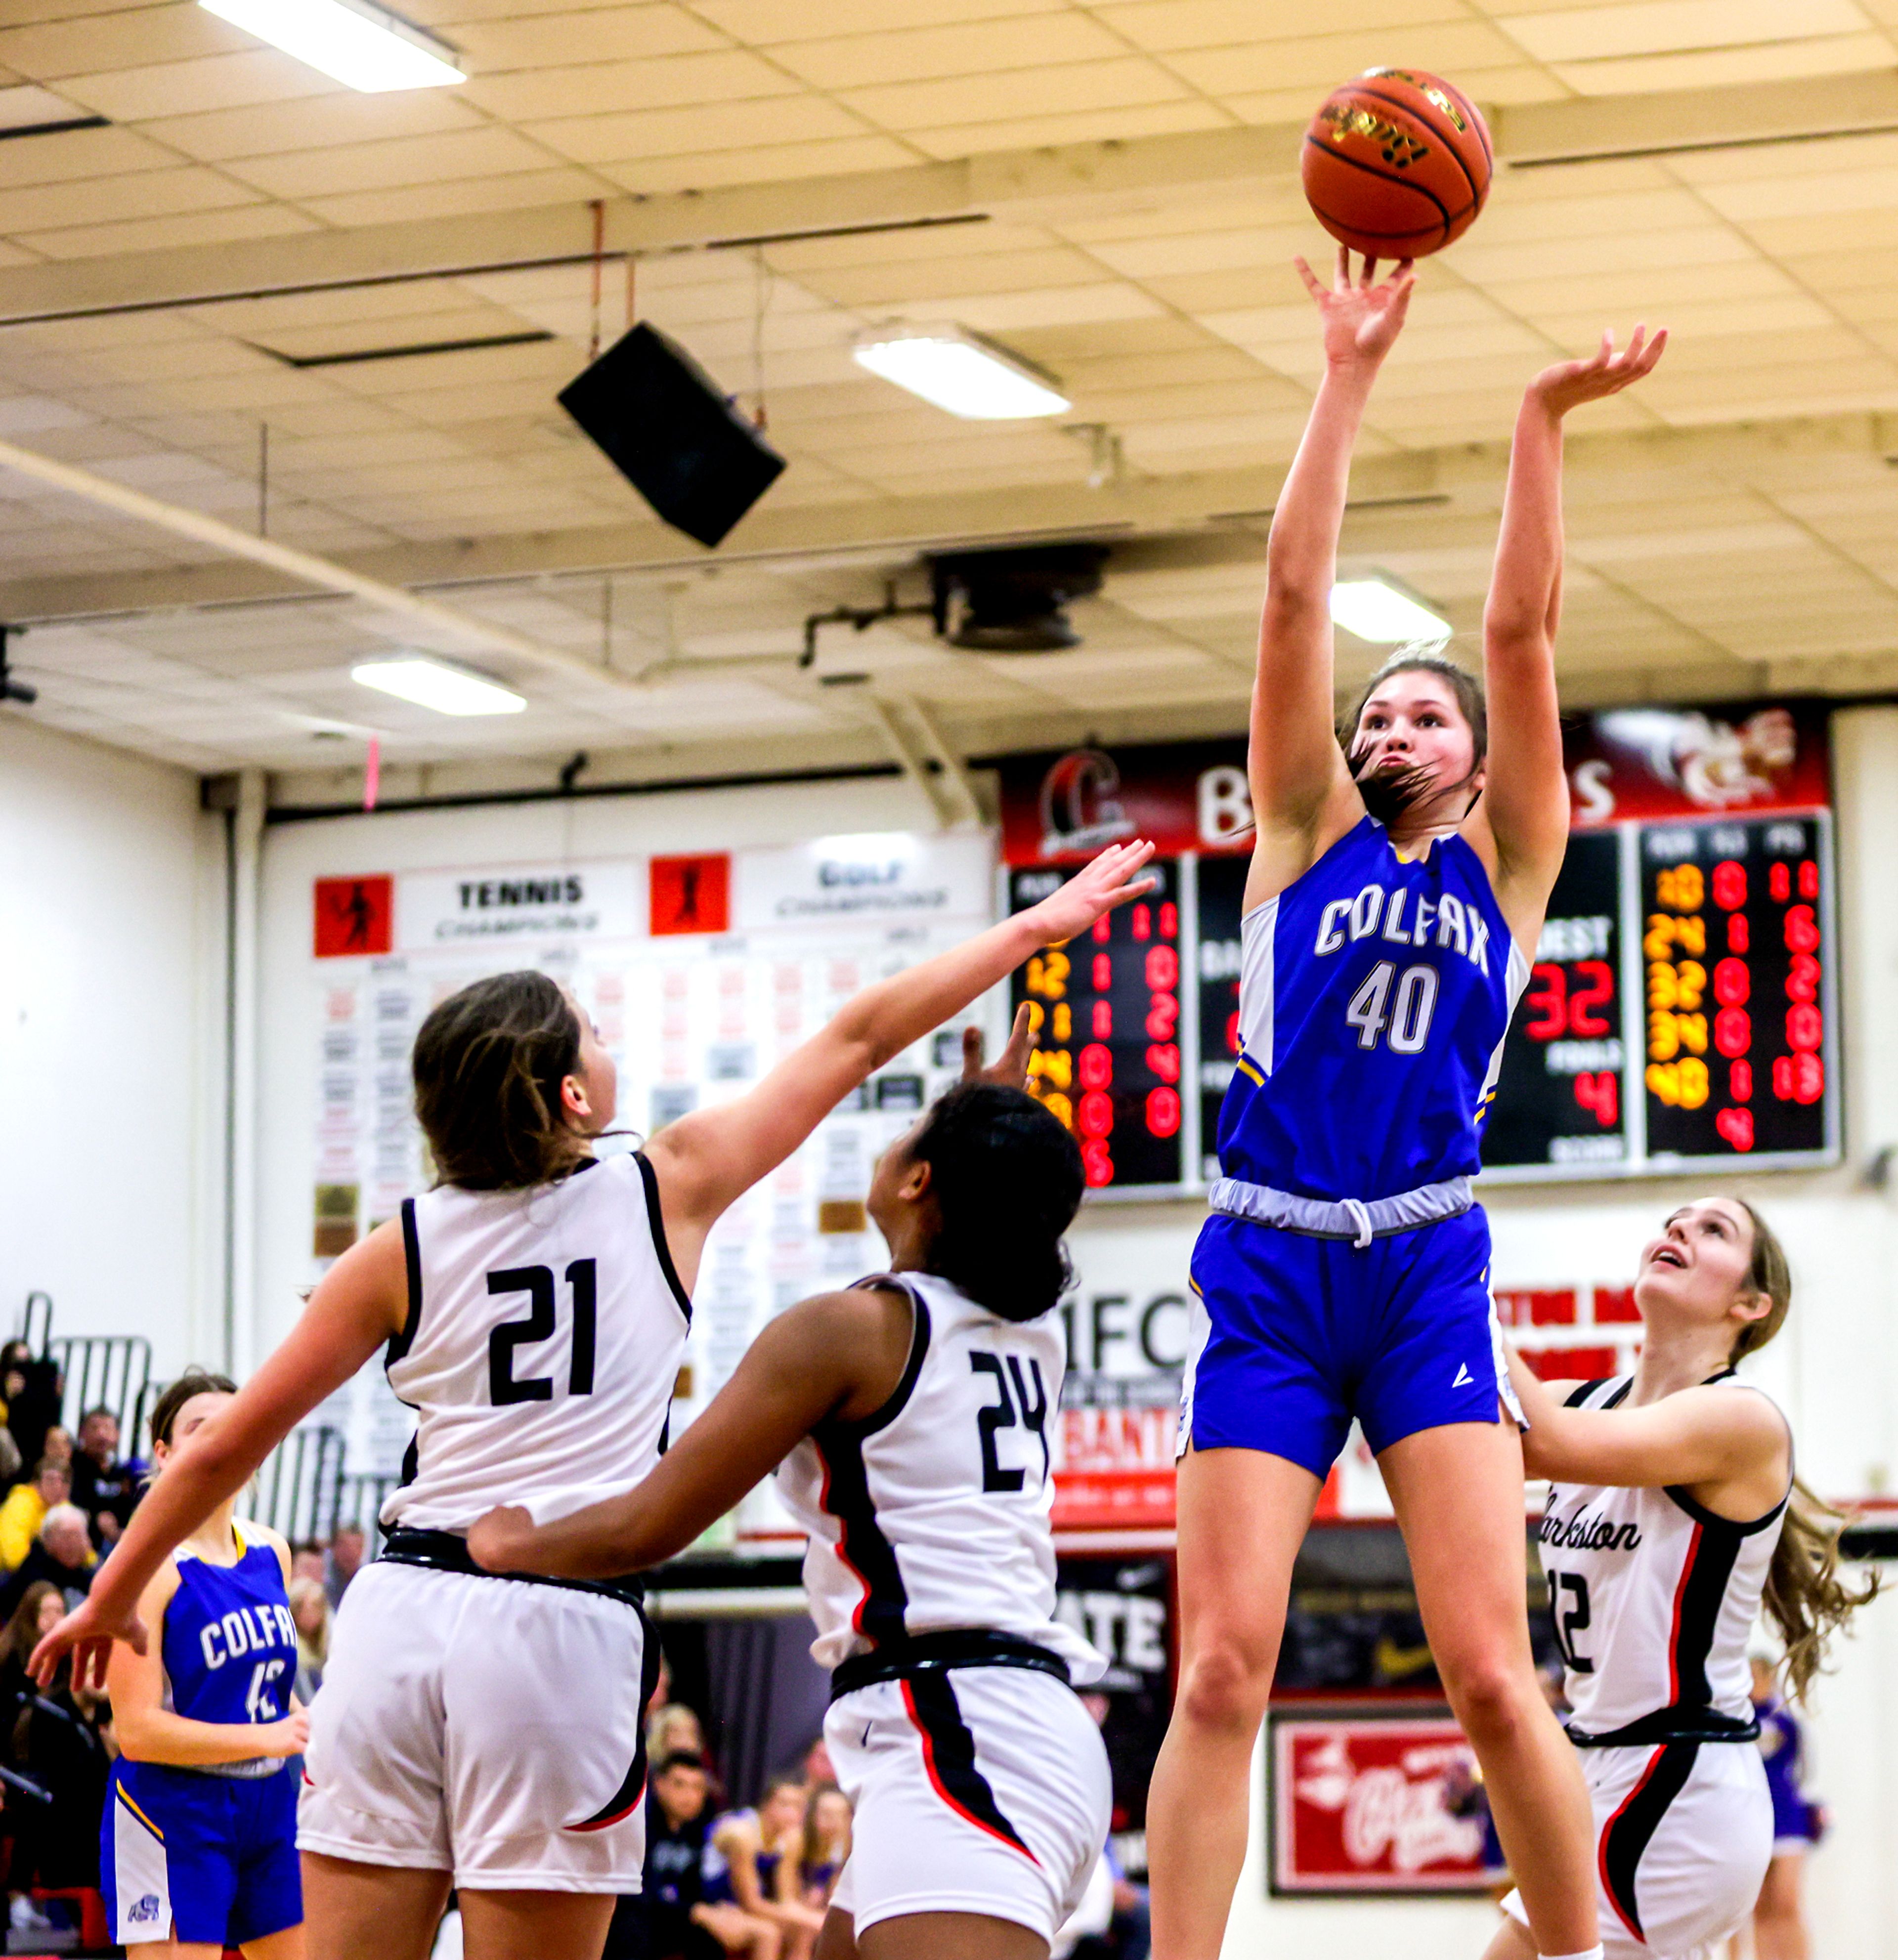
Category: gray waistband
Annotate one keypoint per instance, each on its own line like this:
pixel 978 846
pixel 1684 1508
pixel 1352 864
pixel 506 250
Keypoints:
pixel 251 1768
pixel 1358 1220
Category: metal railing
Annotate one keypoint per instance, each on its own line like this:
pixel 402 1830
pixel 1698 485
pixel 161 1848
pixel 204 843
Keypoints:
pixel 110 1371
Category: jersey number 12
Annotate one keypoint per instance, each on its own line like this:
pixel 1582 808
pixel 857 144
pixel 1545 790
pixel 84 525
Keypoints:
pixel 537 1282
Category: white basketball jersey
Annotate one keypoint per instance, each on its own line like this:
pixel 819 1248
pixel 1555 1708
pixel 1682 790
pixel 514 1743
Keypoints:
pixel 545 1331
pixel 932 1513
pixel 1653 1596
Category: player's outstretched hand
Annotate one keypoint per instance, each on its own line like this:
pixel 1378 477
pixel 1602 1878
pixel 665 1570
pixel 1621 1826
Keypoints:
pixel 1569 383
pixel 1010 1069
pixel 1361 318
pixel 87 1633
pixel 1110 879
pixel 503 1540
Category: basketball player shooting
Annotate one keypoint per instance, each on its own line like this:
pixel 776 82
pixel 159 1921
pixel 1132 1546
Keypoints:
pixel 1397 879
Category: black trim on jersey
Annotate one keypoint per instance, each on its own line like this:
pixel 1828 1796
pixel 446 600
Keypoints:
pixel 936 1653
pixel 448 1551
pixel 1578 1397
pixel 1714 1521
pixel 632 1787
pixel 1712 1553
pixel 399 1343
pixel 881 1615
pixel 655 1219
pixel 949 1755
pixel 1671 1725
pixel 1631 1828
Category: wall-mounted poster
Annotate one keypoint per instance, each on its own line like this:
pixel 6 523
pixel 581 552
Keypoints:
pixel 1361 1803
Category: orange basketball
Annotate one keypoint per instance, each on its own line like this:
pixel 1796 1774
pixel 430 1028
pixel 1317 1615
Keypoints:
pixel 1397 164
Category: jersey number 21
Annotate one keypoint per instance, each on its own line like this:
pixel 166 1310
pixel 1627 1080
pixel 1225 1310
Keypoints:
pixel 537 1282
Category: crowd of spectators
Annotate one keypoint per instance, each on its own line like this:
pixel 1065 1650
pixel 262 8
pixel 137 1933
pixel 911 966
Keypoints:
pixel 723 1882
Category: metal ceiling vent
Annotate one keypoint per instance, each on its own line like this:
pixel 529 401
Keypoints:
pixel 1014 601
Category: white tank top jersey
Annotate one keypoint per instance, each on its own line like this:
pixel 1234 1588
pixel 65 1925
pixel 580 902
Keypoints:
pixel 1654 1597
pixel 932 1513
pixel 545 1332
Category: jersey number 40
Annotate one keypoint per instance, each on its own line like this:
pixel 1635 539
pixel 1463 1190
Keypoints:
pixel 1400 1016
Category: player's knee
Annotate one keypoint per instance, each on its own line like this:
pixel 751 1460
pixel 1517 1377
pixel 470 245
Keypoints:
pixel 1225 1685
pixel 1492 1700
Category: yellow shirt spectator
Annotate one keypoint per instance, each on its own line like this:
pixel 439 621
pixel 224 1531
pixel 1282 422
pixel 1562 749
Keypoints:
pixel 25 1508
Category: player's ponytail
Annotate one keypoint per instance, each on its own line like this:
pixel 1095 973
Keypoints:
pixel 1007 1181
pixel 488 1063
pixel 1805 1598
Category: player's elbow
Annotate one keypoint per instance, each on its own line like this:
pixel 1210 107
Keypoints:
pixel 1515 626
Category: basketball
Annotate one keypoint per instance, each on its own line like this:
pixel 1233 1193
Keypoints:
pixel 1397 164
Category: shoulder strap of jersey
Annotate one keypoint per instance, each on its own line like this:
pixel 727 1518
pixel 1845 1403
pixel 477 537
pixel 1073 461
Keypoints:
pixel 1583 1394
pixel 919 1331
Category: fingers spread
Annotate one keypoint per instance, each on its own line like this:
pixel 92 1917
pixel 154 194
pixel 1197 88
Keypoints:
pixel 1310 279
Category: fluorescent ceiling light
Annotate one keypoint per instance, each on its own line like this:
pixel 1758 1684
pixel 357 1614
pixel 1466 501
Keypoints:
pixel 433 684
pixel 961 372
pixel 1380 612
pixel 354 41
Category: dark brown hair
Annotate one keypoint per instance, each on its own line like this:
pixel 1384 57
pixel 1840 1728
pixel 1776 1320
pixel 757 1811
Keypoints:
pixel 1805 1598
pixel 22 1634
pixel 488 1063
pixel 193 1382
pixel 1388 796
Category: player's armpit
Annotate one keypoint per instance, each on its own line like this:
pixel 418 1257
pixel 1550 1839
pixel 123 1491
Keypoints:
pixel 840 1354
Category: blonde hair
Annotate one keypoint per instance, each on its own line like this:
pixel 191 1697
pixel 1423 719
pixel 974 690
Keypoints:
pixel 1805 1598
pixel 297 1593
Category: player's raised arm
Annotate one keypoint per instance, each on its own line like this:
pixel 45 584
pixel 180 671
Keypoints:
pixel 362 1300
pixel 839 1353
pixel 1300 782
pixel 704 1161
pixel 1525 804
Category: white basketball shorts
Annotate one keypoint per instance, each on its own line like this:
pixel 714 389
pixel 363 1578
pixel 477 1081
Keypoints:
pixel 485 1726
pixel 980 1789
pixel 1684 1834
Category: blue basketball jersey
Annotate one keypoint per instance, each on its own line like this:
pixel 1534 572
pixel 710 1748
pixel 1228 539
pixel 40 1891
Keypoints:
pixel 1373 996
pixel 230 1643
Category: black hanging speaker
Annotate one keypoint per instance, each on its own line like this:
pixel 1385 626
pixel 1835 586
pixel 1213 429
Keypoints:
pixel 663 425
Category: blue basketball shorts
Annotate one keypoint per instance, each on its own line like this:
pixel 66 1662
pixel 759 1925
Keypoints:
pixel 1296 1335
pixel 199 1859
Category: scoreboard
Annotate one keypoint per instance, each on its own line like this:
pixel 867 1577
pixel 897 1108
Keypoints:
pixel 1680 1009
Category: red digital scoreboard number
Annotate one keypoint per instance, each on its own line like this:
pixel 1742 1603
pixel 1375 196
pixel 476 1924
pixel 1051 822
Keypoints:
pixel 1106 1011
pixel 1737 1009
pixel 1559 1094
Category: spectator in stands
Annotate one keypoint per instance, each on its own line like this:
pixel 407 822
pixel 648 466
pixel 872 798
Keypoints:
pixel 306 1562
pixel 347 1545
pixel 105 1488
pixel 672 1729
pixel 826 1843
pixel 309 1608
pixel 25 1509
pixel 34 1390
pixel 41 1608
pixel 62 1554
pixel 675 1854
pixel 61 1741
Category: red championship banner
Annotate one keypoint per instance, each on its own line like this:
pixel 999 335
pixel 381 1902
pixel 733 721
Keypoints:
pixel 1386 1804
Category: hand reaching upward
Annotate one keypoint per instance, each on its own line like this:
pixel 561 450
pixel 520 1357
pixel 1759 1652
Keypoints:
pixel 1361 319
pixel 1569 383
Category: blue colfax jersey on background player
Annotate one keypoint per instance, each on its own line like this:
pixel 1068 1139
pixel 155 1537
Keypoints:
pixel 1344 1270
pixel 210 1854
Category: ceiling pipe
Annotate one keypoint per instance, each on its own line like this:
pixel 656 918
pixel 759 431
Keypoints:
pixel 303 565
